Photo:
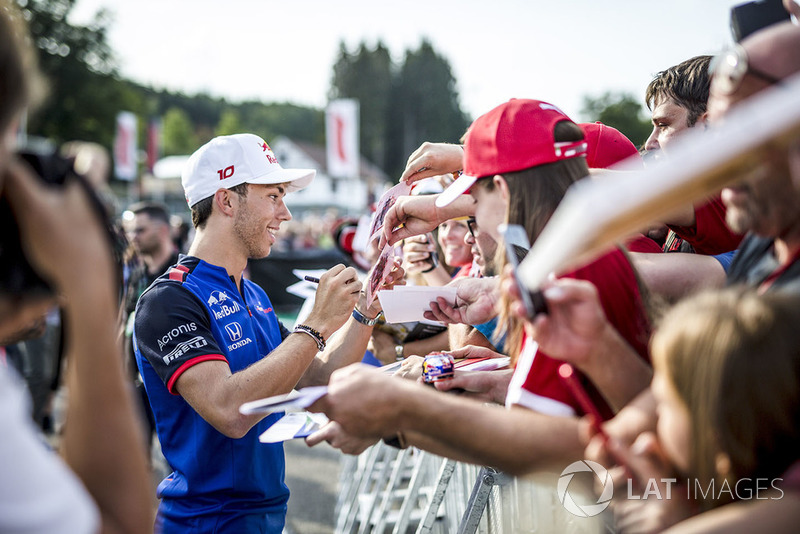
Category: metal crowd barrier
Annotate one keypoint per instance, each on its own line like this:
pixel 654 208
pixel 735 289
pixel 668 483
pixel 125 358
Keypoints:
pixel 408 491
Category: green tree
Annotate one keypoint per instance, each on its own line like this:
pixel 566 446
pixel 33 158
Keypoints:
pixel 425 105
pixel 229 123
pixel 400 107
pixel 271 120
pixel 366 75
pixel 620 110
pixel 178 133
pixel 85 92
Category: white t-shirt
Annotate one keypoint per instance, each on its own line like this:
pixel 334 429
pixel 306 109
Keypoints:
pixel 38 492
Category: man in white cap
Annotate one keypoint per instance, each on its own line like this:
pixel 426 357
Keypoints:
pixel 207 340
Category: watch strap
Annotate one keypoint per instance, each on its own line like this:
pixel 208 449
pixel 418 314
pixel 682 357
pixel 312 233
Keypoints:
pixel 363 319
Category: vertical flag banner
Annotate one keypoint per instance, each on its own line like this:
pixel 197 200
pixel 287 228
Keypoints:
pixel 153 143
pixel 125 146
pixel 341 133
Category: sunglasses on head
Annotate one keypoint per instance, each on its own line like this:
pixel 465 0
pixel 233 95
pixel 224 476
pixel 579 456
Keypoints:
pixel 729 68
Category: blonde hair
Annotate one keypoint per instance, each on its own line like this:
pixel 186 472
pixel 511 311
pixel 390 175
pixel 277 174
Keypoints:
pixel 733 357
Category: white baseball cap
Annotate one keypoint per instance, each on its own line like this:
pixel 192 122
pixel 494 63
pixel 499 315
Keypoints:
pixel 231 160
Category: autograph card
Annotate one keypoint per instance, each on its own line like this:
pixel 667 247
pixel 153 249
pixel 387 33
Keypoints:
pixel 292 401
pixel 384 205
pixel 380 272
pixel 293 425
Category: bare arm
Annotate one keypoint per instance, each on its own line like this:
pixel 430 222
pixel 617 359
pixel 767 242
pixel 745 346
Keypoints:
pixel 216 393
pixel 367 403
pixel 349 343
pixel 462 335
pixel 433 159
pixel 675 275
pixel 419 214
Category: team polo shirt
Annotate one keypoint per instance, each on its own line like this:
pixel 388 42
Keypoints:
pixel 536 383
pixel 710 234
pixel 192 314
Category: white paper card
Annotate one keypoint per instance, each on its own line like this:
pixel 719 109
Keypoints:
pixel 293 425
pixel 409 303
pixel 295 400
pixel 490 364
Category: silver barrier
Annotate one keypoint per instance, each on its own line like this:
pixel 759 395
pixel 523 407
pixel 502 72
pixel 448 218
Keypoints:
pixel 410 491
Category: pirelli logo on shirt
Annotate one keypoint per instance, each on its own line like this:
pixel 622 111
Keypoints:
pixel 183 347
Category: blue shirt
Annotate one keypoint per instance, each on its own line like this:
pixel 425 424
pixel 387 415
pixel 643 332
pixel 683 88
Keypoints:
pixel 191 314
pixel 487 329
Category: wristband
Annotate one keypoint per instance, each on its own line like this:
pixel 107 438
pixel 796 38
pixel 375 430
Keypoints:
pixel 316 336
pixel 363 319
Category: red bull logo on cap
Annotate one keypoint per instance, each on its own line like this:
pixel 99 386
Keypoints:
pixel 265 148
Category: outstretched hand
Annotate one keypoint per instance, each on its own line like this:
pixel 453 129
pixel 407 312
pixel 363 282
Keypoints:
pixel 365 401
pixel 337 438
pixel 488 386
pixel 476 299
pixel 432 159
pixel 409 216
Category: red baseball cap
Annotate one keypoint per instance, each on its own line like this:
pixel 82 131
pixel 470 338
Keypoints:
pixel 512 137
pixel 607 145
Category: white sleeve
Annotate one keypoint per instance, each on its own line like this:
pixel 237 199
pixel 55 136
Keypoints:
pixel 38 492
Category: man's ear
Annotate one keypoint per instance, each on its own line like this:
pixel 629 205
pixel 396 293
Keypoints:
pixel 501 184
pixel 225 202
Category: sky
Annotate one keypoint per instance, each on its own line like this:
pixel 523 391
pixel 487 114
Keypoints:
pixel 284 51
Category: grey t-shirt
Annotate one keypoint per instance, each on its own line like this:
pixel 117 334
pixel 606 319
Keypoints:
pixel 754 263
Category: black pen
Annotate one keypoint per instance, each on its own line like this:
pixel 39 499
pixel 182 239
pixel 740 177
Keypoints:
pixel 311 279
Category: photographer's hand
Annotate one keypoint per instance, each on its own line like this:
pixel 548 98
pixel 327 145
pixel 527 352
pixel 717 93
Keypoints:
pixel 66 244
pixel 60 232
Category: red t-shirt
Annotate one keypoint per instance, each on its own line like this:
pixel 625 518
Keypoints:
pixel 536 383
pixel 710 234
pixel 642 243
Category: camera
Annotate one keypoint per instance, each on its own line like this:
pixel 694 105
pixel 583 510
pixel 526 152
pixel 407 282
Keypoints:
pixel 750 17
pixel 17 277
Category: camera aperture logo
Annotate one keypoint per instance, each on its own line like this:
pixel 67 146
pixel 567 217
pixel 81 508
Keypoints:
pixel 586 510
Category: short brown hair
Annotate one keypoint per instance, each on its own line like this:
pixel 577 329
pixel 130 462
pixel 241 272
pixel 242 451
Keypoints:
pixel 202 210
pixel 686 83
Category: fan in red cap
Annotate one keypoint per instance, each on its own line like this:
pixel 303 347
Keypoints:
pixel 494 143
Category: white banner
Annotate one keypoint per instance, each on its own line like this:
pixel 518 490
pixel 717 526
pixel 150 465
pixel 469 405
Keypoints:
pixel 125 164
pixel 341 132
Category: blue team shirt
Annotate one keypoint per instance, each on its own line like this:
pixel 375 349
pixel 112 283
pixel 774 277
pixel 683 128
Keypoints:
pixel 191 314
